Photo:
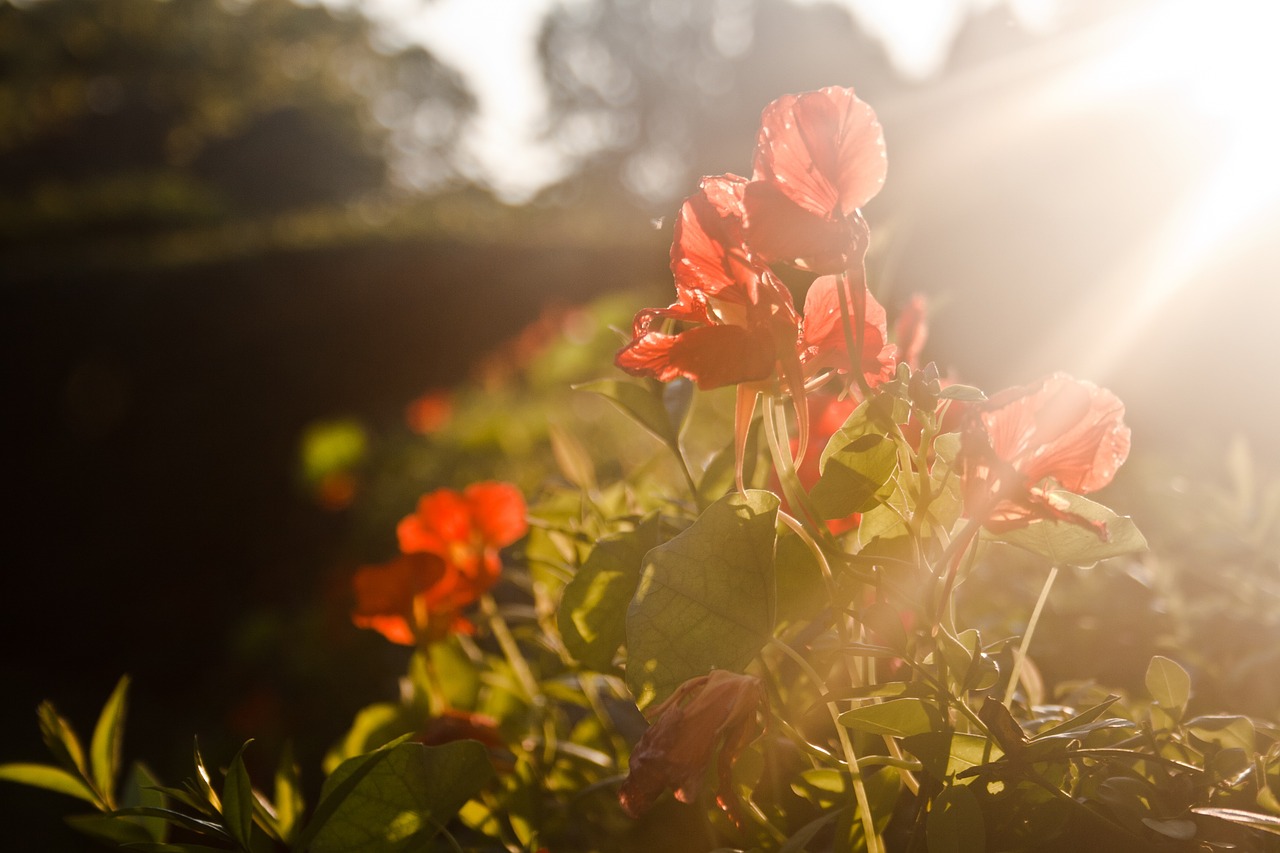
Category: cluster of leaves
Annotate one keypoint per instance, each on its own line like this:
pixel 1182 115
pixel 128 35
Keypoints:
pixel 778 643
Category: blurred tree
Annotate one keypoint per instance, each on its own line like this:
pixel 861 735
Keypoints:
pixel 654 93
pixel 127 116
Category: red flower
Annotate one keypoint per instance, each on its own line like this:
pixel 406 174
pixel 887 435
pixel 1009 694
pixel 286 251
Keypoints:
pixel 707 714
pixel 741 321
pixel 819 157
pixel 450 558
pixel 1058 432
pixel 824 333
pixel 412 595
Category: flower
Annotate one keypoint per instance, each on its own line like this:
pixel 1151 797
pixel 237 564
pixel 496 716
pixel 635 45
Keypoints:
pixel 819 157
pixel 708 717
pixel 410 595
pixel 824 331
pixel 1058 432
pixel 449 559
pixel 430 412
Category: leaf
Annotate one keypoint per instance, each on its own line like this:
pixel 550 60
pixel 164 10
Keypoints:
pixel 1168 684
pixel 853 475
pixel 141 789
pixel 114 829
pixel 237 800
pixel 1225 732
pixel 572 458
pixel 288 794
pixel 1067 544
pixel 397 798
pixel 796 843
pixel 1084 718
pixel 639 402
pixel 1253 820
pixel 185 821
pixel 50 778
pixel 705 599
pixel 108 734
pixel 62 741
pixel 955 822
pixel 593 608
pixel 963 393
pixel 946 753
pixel 897 717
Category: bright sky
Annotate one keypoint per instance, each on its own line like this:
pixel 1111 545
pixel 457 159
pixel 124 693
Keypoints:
pixel 493 42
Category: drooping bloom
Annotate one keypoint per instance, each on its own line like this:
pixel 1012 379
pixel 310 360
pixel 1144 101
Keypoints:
pixel 1059 432
pixel 449 559
pixel 709 718
pixel 819 157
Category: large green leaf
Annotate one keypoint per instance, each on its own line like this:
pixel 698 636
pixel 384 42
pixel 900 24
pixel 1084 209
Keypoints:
pixel 397 798
pixel 705 599
pixel 593 608
pixel 1067 544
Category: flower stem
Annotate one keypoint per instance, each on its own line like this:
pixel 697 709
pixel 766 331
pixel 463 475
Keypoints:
pixel 846 745
pixel 511 650
pixel 1021 654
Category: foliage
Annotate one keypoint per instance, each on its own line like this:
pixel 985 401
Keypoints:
pixel 803 625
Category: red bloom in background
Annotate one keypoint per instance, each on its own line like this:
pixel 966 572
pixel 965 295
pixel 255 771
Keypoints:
pixel 819 157
pixel 450 558
pixel 710 717
pixel 1059 432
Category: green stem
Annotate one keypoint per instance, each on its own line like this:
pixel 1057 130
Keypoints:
pixel 1021 654
pixel 511 650
pixel 846 745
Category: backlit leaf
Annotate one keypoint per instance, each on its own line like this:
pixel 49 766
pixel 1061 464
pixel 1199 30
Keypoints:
pixel 48 777
pixel 955 822
pixel 897 717
pixel 1168 683
pixel 237 801
pixel 705 599
pixel 853 475
pixel 104 748
pixel 641 403
pixel 1067 544
pixel 397 798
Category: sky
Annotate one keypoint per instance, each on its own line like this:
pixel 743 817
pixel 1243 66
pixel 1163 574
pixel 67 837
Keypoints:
pixel 493 43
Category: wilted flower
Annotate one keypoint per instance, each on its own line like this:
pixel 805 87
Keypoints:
pixel 1059 432
pixel 709 718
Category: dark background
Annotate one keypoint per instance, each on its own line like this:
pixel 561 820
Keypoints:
pixel 207 243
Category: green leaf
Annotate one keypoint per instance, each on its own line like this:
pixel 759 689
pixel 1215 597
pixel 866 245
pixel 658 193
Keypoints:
pixel 897 717
pixel 114 829
pixel 142 789
pixel 572 458
pixel 50 778
pixel 374 726
pixel 796 843
pixel 1253 820
pixel 62 741
pixel 705 599
pixel 203 781
pixel 955 822
pixel 289 804
pixel 1168 683
pixel 593 608
pixel 185 821
pixel 1225 732
pixel 237 800
pixel 853 475
pixel 963 393
pixel 108 734
pixel 641 403
pixel 1067 544
pixel 395 799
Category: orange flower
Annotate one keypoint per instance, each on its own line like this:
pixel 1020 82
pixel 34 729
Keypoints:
pixel 450 558
pixel 1059 432
pixel 706 714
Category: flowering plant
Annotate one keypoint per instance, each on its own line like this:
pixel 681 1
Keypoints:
pixel 775 629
